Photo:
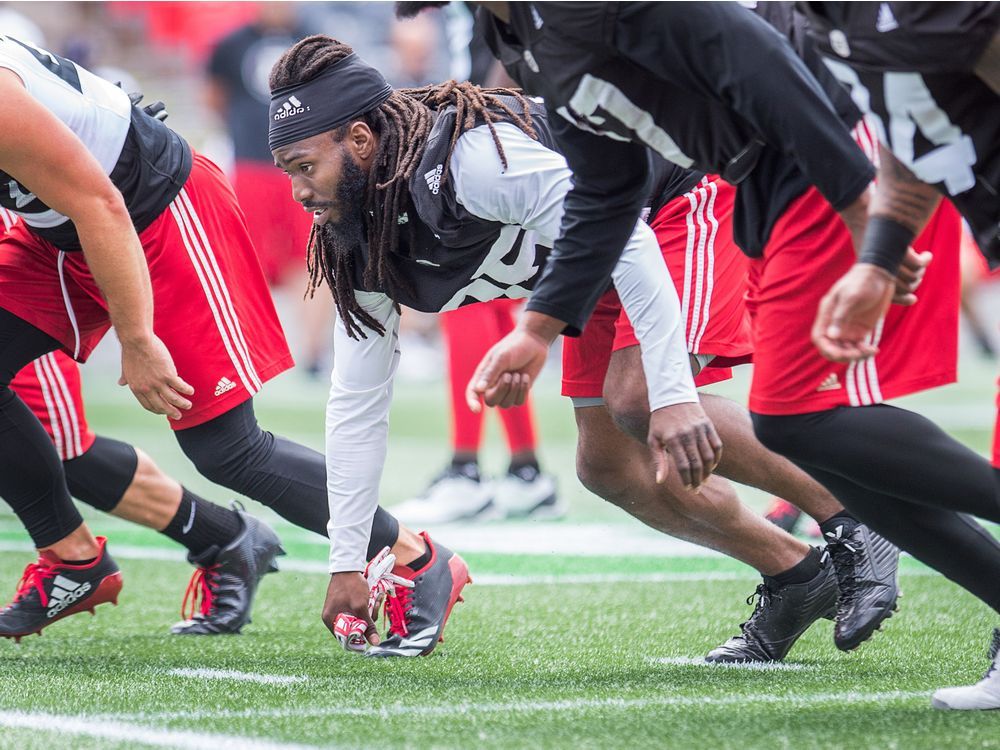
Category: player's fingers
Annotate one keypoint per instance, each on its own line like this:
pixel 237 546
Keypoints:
pixel 472 398
pixel 159 406
pixel 371 633
pixel 522 385
pixel 715 442
pixel 496 394
pixel 707 453
pixel 678 452
pixel 180 385
pixel 661 464
pixel 172 397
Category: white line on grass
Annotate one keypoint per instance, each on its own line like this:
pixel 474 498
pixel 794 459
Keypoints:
pixel 87 726
pixel 129 552
pixel 231 674
pixel 568 705
pixel 763 666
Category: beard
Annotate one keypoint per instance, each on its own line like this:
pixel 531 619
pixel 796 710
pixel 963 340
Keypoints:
pixel 410 10
pixel 347 234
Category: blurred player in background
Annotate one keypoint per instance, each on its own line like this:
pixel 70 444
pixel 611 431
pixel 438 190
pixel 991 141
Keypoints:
pixel 236 90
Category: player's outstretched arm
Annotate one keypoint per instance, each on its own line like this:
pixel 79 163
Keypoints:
pixel 886 266
pixel 44 156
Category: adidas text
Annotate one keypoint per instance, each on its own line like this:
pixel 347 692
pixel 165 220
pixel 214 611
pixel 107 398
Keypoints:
pixel 290 108
pixel 71 596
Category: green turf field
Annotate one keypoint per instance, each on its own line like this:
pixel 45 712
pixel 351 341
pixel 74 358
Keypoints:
pixel 582 633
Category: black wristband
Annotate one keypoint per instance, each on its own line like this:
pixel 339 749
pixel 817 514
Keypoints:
pixel 885 244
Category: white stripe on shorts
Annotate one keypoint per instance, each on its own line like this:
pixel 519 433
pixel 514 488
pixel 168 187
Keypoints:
pixel 216 293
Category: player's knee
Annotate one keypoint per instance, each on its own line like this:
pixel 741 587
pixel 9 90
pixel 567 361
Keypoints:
pixel 629 408
pixel 603 476
pixel 216 463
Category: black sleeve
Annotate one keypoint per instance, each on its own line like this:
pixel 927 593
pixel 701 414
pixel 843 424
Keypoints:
pixel 725 53
pixel 610 185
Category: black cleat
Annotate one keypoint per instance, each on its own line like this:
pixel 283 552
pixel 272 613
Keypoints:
pixel 226 580
pixel 417 616
pixel 782 614
pixel 866 565
pixel 51 590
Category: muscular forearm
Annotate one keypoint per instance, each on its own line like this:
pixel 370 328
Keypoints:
pixel 116 260
pixel 901 196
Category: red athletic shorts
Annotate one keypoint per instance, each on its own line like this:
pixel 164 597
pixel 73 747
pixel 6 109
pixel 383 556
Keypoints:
pixel 278 225
pixel 212 306
pixel 50 386
pixel 810 248
pixel 695 232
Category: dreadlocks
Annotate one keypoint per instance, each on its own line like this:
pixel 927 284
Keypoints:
pixel 402 123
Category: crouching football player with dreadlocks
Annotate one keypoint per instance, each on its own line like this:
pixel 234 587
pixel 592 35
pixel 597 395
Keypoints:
pixel 450 195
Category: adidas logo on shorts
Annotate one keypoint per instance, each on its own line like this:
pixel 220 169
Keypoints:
pixel 830 383
pixel 433 178
pixel 223 386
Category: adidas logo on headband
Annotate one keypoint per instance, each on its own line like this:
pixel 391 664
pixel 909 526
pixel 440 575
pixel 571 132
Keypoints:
pixel 290 108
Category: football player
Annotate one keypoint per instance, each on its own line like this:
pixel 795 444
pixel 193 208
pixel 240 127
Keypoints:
pixel 928 74
pixel 105 191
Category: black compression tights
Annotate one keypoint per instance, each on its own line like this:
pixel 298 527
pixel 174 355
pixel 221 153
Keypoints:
pixel 31 475
pixel 232 450
pixel 907 479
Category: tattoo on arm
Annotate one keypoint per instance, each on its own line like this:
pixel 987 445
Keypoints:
pixel 900 195
pixel 988 67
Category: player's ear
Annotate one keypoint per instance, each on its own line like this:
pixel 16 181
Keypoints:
pixel 361 140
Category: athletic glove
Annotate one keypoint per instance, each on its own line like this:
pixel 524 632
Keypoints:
pixel 382 582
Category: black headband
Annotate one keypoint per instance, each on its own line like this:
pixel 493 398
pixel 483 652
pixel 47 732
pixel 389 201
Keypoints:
pixel 341 93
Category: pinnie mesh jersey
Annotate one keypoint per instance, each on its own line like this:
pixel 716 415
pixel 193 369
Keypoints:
pixel 449 256
pixel 910 66
pixel 704 85
pixel 144 158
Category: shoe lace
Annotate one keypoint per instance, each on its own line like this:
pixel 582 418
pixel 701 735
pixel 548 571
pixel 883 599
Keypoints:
pixel 762 594
pixel 397 610
pixel 33 577
pixel 201 587
pixel 845 553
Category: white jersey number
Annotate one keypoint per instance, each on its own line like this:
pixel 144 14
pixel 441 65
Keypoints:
pixel 910 105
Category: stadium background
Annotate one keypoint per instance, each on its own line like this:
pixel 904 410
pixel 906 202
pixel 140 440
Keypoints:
pixel 582 632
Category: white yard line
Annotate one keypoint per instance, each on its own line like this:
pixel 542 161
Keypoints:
pixel 89 726
pixel 129 552
pixel 568 705
pixel 753 666
pixel 231 674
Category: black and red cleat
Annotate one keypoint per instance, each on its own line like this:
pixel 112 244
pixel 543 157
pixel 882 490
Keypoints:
pixel 417 616
pixel 51 590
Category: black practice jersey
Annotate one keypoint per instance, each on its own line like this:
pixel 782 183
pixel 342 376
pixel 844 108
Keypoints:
pixel 910 66
pixel 443 248
pixel 704 85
